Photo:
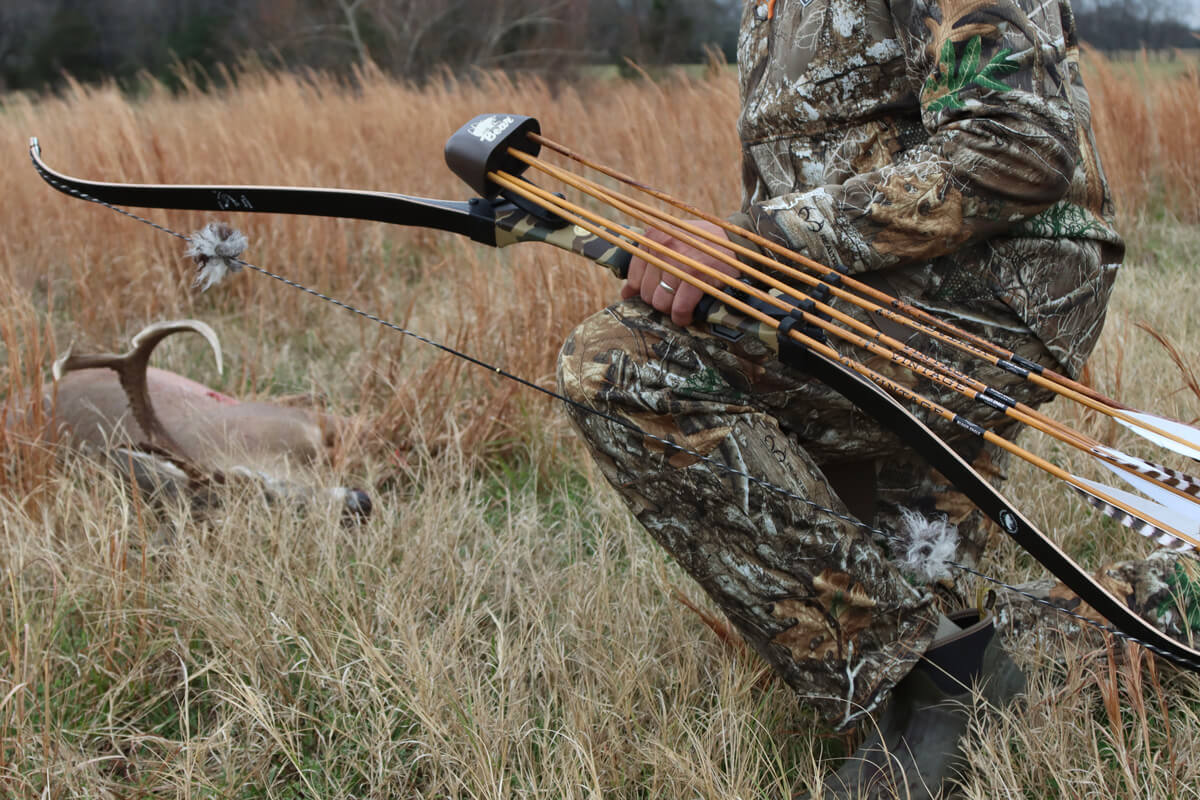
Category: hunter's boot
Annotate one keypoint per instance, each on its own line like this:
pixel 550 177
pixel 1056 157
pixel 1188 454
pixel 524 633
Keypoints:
pixel 917 744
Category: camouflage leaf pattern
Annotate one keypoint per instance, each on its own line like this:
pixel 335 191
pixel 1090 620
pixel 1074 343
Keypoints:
pixel 925 139
pixel 1183 598
pixel 942 91
pixel 943 150
pixel 514 225
pixel 817 596
pixel 1164 589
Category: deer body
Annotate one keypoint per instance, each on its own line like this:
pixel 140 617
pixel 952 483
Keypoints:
pixel 180 431
pixel 212 430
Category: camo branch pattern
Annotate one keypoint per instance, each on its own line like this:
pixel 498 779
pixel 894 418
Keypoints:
pixel 934 138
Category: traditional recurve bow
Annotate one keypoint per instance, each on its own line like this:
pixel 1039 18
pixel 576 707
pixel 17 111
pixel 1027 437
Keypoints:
pixel 492 151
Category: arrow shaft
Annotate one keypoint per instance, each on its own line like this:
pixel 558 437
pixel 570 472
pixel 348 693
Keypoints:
pixel 820 269
pixel 911 316
pixel 860 391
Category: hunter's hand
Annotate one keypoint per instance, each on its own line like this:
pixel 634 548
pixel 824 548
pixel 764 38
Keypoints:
pixel 666 292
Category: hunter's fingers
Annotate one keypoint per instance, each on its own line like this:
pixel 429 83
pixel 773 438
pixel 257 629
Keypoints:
pixel 667 292
pixel 687 297
pixel 633 279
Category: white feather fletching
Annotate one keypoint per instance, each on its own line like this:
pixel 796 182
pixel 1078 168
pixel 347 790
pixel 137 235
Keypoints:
pixel 1185 508
pixel 1177 429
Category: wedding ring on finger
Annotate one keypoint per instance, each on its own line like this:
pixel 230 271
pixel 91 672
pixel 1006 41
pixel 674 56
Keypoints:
pixel 666 287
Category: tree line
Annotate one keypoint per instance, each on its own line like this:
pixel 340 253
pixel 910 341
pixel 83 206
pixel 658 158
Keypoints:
pixel 43 40
pixel 1112 25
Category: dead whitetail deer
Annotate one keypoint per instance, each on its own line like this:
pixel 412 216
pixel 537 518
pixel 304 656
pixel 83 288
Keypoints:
pixel 179 438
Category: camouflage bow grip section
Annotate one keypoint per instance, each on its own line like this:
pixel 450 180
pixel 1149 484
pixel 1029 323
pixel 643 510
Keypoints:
pixel 514 225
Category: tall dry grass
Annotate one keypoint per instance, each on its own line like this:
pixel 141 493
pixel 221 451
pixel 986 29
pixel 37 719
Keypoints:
pixel 501 628
pixel 1148 132
pixel 112 278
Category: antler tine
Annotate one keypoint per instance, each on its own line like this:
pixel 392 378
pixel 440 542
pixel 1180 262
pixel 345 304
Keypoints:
pixel 150 336
pixel 131 371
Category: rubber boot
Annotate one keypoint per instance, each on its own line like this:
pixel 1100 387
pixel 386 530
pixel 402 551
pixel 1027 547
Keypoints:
pixel 917 744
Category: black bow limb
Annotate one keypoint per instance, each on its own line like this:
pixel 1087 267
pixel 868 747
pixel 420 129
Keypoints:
pixel 498 221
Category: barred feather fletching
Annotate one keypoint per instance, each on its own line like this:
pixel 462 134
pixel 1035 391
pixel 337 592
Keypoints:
pixel 1185 507
pixel 1144 522
pixel 1155 472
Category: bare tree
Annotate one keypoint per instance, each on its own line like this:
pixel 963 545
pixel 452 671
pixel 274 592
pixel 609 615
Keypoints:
pixel 350 12
pixel 94 39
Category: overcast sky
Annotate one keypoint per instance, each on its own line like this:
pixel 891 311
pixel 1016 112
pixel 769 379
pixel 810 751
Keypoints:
pixel 1194 16
pixel 1193 7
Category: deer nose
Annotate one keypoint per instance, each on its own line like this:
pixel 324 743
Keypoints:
pixel 357 507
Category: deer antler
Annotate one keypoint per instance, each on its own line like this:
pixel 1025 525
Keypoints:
pixel 196 438
pixel 131 371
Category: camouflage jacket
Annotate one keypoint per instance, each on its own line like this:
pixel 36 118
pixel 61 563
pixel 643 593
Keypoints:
pixel 945 143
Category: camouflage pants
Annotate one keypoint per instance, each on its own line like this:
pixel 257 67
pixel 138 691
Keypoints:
pixel 815 594
pixel 1164 589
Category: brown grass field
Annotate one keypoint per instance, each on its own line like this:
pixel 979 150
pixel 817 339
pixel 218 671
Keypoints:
pixel 501 628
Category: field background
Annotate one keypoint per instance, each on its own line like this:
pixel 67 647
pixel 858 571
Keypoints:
pixel 500 628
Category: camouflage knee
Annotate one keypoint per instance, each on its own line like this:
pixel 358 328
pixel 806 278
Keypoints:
pixel 714 479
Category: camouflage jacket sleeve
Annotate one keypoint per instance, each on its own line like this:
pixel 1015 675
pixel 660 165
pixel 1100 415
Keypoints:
pixel 1001 143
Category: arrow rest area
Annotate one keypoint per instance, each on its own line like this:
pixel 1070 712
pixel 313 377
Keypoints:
pixel 491 152
pixel 484 146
